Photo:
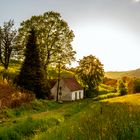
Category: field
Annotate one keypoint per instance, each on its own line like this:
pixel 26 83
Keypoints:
pixel 115 119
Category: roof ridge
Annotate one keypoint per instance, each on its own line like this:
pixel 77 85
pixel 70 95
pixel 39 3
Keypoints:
pixel 72 84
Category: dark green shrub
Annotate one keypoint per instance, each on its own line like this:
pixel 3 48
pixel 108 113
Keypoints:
pixel 122 88
pixel 136 85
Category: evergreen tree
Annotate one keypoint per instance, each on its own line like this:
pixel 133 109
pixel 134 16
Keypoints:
pixel 32 75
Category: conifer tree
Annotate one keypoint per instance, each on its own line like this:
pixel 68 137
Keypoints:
pixel 32 75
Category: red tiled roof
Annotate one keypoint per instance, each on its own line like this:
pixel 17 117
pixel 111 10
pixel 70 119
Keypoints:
pixel 72 84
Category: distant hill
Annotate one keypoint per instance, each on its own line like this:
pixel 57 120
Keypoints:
pixel 119 74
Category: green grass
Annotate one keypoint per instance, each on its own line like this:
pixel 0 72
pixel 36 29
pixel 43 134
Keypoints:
pixel 26 128
pixel 116 119
pixel 113 123
pixel 34 107
pixel 106 96
pixel 41 112
pixel 105 89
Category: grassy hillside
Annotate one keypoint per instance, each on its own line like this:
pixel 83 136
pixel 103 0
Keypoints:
pixel 133 99
pixel 119 74
pixel 116 118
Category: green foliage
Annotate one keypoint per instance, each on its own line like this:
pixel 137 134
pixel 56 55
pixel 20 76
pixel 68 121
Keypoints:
pixel 53 35
pixel 122 88
pixel 7 42
pixel 136 85
pixel 8 75
pixel 91 72
pixel 32 75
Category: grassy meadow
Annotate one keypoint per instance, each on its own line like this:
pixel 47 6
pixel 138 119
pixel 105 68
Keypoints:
pixel 110 119
pixel 105 117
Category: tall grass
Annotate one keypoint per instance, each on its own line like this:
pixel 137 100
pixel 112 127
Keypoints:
pixel 35 106
pixel 27 128
pixel 101 122
pixel 81 120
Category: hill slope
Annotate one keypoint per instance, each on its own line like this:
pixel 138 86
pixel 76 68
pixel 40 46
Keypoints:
pixel 133 99
pixel 119 74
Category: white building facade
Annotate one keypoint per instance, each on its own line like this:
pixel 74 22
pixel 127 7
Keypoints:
pixel 71 90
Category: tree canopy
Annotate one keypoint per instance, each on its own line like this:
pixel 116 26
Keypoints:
pixel 91 73
pixel 54 37
pixel 7 42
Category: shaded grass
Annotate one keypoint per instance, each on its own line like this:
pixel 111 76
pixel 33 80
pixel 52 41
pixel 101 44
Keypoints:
pixel 27 128
pixel 37 117
pixel 36 106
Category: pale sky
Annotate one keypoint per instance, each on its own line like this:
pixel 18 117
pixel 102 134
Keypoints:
pixel 108 29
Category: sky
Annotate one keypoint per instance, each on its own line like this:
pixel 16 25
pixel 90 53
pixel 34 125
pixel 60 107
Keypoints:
pixel 107 29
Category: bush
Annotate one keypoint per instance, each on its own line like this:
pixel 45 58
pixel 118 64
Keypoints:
pixel 136 85
pixel 122 88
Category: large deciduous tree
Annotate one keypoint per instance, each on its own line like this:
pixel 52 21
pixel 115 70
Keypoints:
pixel 7 42
pixel 32 75
pixel 53 36
pixel 91 73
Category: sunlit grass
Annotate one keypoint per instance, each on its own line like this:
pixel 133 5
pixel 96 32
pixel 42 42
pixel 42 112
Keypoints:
pixel 50 111
pixel 106 96
pixel 133 99
pixel 119 119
